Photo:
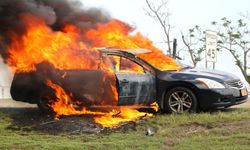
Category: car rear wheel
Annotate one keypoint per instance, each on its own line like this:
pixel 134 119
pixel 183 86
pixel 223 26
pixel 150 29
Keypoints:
pixel 180 100
pixel 44 105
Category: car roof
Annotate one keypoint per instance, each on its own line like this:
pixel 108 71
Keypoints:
pixel 138 51
pixel 131 53
pixel 134 51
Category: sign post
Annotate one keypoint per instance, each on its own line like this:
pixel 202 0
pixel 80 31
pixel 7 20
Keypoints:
pixel 211 47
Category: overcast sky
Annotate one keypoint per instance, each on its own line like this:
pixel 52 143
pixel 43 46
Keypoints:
pixel 184 15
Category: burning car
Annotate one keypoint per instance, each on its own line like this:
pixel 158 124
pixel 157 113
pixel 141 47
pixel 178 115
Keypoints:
pixel 51 47
pixel 136 81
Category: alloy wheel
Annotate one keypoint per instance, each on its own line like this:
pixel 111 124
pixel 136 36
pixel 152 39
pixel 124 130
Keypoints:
pixel 180 101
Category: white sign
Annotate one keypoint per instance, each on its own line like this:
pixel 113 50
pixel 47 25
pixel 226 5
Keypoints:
pixel 211 46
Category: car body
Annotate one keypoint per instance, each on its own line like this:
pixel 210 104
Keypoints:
pixel 187 89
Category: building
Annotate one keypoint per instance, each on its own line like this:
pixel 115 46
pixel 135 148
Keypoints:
pixel 5 80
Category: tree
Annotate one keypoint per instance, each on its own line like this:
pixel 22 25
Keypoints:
pixel 234 38
pixel 194 42
pixel 160 14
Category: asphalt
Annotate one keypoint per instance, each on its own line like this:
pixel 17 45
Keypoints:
pixel 9 103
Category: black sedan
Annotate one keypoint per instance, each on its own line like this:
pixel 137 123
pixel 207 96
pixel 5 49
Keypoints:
pixel 184 90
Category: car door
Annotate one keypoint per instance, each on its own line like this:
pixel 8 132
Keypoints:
pixel 136 85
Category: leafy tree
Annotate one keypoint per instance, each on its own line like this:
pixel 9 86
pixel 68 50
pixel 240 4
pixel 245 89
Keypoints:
pixel 194 42
pixel 234 37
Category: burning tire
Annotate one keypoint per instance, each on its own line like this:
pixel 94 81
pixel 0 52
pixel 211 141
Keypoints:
pixel 44 105
pixel 180 100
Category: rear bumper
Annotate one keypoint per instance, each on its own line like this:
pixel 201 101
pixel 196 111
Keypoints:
pixel 220 98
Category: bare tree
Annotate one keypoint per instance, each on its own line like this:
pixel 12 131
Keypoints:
pixel 194 42
pixel 160 14
pixel 235 37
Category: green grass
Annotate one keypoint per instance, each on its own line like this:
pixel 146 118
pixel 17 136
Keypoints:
pixel 217 130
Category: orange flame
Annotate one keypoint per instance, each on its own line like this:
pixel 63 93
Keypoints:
pixel 68 49
pixel 64 105
pixel 73 48
pixel 117 34
pixel 40 43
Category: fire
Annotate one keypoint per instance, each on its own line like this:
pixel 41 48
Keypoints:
pixel 64 105
pixel 117 34
pixel 68 49
pixel 73 48
pixel 62 49
pixel 124 115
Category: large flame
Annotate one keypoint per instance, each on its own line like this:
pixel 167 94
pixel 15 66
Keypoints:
pixel 118 35
pixel 68 49
pixel 64 105
pixel 73 48
pixel 63 49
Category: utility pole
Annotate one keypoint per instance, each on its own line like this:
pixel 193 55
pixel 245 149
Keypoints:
pixel 174 48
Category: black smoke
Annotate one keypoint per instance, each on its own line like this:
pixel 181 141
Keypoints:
pixel 56 14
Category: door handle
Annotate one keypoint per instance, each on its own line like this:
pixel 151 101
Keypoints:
pixel 124 81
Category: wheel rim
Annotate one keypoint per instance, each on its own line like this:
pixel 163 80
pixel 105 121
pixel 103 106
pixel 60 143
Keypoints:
pixel 44 104
pixel 180 101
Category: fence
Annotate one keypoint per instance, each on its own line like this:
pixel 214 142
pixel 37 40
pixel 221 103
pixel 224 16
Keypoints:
pixel 5 92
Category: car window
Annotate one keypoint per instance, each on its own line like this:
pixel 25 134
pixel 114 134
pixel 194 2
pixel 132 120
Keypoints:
pixel 124 65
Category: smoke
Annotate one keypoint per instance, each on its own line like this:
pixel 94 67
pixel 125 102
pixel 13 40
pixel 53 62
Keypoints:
pixel 55 13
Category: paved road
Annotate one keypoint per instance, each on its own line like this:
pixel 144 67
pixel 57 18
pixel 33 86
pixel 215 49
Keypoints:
pixel 8 103
pixel 244 105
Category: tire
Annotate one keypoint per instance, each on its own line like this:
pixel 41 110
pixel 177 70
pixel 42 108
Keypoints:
pixel 180 100
pixel 44 106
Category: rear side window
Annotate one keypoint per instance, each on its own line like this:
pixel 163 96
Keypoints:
pixel 124 65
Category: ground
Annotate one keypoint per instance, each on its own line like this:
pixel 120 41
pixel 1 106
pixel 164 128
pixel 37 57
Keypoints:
pixel 23 126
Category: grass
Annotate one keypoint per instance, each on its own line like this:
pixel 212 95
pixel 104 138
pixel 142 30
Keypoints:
pixel 218 130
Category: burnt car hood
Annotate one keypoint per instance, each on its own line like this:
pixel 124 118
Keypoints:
pixel 192 74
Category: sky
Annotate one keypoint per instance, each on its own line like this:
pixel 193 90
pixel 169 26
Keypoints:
pixel 184 15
